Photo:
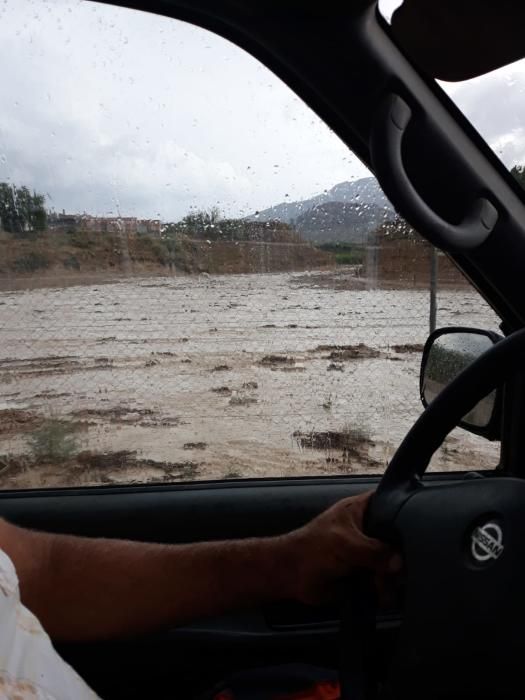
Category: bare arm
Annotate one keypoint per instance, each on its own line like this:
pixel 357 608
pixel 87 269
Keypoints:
pixel 83 588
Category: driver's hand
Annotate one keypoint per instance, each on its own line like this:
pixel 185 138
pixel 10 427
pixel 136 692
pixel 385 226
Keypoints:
pixel 332 547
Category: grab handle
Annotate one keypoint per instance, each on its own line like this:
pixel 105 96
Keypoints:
pixel 386 141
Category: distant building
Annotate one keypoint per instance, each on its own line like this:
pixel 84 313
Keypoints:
pixel 108 224
pixel 62 220
pixel 103 224
pixel 150 226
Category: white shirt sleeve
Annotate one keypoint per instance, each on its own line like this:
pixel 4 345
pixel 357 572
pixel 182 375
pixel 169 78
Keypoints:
pixel 30 668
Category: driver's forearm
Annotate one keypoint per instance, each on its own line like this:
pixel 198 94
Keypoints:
pixel 84 588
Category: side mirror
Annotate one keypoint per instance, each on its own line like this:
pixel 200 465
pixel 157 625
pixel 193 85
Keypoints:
pixel 447 352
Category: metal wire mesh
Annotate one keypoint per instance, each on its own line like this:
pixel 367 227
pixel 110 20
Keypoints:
pixel 169 377
pixel 195 345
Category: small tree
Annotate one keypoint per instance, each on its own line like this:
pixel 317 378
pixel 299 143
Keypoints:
pixel 31 262
pixel 519 173
pixel 21 212
pixel 201 224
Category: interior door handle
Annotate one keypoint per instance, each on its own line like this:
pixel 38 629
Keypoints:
pixel 386 141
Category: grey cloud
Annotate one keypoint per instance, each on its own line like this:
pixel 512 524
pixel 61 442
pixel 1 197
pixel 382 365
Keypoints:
pixel 107 108
pixel 495 104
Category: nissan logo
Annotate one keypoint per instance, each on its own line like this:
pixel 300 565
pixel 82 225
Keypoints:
pixel 487 542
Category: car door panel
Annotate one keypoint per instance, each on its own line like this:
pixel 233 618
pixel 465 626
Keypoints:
pixel 201 511
pixel 182 662
pixel 196 656
pixel 180 513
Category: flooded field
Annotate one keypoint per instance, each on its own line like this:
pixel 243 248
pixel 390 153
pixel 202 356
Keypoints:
pixel 211 377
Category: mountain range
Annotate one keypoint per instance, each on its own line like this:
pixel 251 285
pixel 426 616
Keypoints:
pixel 346 213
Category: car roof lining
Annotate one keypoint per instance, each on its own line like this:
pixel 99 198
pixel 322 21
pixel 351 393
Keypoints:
pixel 456 40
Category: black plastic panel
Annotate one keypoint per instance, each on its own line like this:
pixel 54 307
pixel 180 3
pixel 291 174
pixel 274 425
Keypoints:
pixel 180 513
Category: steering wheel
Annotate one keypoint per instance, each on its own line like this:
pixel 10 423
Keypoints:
pixel 462 633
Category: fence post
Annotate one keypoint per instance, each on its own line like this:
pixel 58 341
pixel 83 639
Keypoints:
pixel 433 288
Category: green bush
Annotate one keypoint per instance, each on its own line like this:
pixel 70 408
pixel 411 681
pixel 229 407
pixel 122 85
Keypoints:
pixel 159 251
pixel 162 251
pixel 345 253
pixel 31 262
pixel 22 213
pixel 353 257
pixel 71 263
pixel 81 240
pixel 54 441
pixel 444 364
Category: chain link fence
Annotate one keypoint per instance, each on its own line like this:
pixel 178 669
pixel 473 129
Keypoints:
pixel 143 374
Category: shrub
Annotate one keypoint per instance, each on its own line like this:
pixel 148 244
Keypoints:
pixel 54 441
pixel 71 263
pixel 345 253
pixel 232 475
pixel 154 249
pixel 80 239
pixel 31 262
pixel 354 257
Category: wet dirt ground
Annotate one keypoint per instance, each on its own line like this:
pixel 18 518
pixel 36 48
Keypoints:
pixel 207 377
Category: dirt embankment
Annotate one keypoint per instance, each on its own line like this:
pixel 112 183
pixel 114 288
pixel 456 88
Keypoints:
pixel 87 257
pixel 254 257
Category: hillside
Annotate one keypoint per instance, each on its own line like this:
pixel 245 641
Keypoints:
pixel 362 207
pixel 341 222
pixel 60 257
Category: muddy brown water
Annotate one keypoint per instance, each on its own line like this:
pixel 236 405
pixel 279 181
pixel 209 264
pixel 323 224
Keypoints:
pixel 237 364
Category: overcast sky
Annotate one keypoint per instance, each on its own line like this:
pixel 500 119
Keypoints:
pixel 108 111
